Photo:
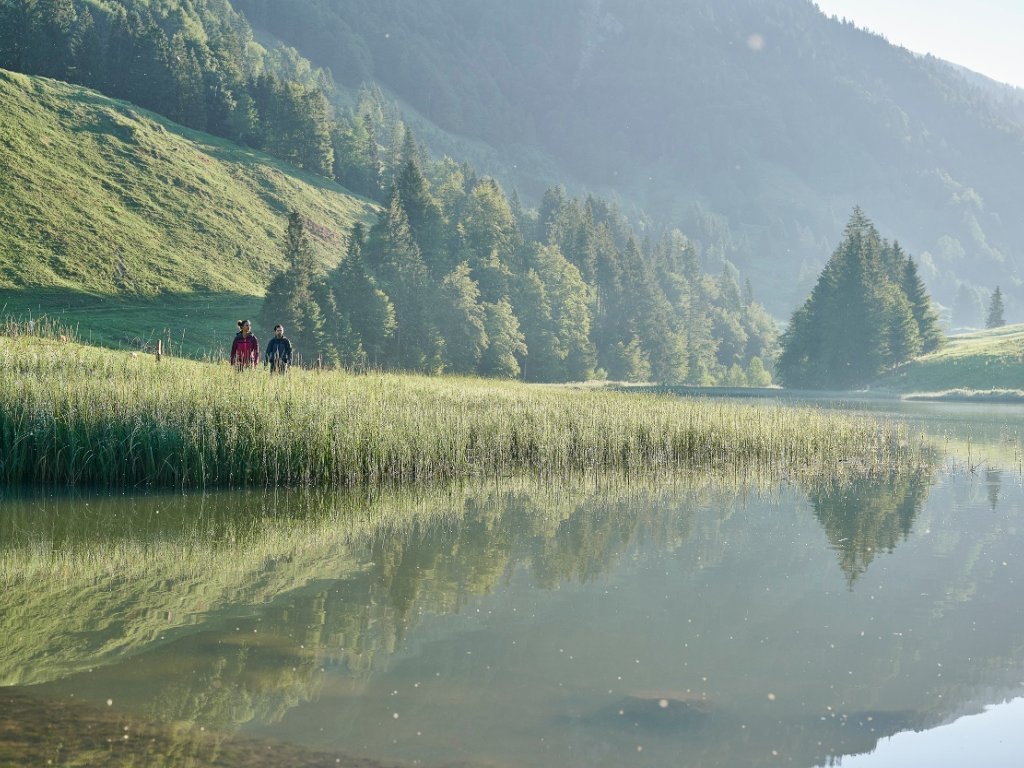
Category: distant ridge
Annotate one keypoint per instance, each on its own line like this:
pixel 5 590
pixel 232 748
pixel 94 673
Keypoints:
pixel 754 125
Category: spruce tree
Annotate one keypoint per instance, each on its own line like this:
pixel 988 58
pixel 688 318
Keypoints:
pixel 396 263
pixel 995 310
pixel 859 319
pixel 426 220
pixel 292 297
pixel 921 305
pixel 365 318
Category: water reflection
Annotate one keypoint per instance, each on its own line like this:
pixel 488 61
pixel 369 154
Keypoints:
pixel 89 580
pixel 596 623
pixel 864 518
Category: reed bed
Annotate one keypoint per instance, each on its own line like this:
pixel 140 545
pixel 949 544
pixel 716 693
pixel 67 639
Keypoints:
pixel 77 415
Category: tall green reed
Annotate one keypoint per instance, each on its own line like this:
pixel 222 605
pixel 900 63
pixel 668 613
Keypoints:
pixel 72 415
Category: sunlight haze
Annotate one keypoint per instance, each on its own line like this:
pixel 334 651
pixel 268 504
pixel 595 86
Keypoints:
pixel 982 35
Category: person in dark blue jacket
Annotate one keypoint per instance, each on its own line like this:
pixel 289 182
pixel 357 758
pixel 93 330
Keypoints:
pixel 279 351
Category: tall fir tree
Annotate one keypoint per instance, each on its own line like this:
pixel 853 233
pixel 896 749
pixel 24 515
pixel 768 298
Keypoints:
pixel 927 318
pixel 396 263
pixel 292 297
pixel 995 319
pixel 365 318
pixel 426 219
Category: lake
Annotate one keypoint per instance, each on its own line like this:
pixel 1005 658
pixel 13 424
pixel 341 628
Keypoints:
pixel 606 621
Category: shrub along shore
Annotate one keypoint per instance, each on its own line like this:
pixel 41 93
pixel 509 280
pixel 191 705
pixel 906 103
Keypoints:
pixel 77 415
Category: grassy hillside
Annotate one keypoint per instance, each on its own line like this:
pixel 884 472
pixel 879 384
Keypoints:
pixel 984 360
pixel 131 226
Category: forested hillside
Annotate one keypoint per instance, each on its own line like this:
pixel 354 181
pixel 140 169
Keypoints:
pixel 753 125
pixel 456 275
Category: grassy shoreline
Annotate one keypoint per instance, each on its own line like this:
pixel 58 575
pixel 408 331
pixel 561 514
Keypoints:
pixel 77 415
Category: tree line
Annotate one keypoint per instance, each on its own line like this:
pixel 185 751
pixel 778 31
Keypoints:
pixel 456 276
pixel 196 63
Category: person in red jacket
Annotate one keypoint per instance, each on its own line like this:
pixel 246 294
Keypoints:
pixel 245 349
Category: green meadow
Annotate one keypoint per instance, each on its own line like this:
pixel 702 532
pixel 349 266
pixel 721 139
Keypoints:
pixel 981 364
pixel 72 414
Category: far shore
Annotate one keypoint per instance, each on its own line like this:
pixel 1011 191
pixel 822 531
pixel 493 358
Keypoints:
pixel 994 396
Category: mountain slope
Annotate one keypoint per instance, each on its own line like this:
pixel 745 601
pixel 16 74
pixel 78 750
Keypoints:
pixel 132 228
pixel 103 197
pixel 755 125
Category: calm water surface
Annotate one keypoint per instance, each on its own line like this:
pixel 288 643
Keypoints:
pixel 596 623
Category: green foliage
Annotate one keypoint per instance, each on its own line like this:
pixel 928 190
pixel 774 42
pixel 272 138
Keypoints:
pixel 756 374
pixel 506 345
pixel 638 317
pixel 865 519
pixel 396 262
pixel 128 238
pixel 555 319
pixel 927 319
pixel 361 318
pixel 196 63
pixel 462 321
pixel 604 300
pixel 741 139
pixel 858 321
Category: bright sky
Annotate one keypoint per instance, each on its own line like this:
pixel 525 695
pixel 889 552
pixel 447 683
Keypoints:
pixel 984 35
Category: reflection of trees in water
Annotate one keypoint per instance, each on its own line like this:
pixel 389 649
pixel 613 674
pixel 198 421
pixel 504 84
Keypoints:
pixel 359 619
pixel 993 483
pixel 437 567
pixel 864 517
pixel 338 581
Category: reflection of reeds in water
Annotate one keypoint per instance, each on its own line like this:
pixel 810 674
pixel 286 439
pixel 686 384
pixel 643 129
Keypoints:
pixel 86 580
pixel 71 414
pixel 340 577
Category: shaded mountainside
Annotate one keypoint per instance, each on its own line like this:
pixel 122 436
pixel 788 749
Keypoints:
pixel 755 125
pixel 107 206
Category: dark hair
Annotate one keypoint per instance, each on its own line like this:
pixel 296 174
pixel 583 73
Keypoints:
pixel 278 327
pixel 241 323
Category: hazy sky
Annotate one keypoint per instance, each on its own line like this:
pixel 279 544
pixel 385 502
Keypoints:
pixel 983 35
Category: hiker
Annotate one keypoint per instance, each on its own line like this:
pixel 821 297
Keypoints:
pixel 245 349
pixel 279 351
